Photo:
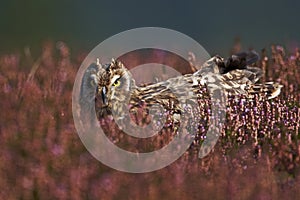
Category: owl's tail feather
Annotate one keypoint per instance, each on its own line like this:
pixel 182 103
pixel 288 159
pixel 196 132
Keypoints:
pixel 269 90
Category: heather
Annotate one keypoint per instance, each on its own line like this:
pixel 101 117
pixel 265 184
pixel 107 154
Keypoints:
pixel 42 157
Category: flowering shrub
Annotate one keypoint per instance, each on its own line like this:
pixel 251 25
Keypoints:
pixel 41 156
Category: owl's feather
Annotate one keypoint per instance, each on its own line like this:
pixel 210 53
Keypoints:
pixel 111 90
pixel 233 75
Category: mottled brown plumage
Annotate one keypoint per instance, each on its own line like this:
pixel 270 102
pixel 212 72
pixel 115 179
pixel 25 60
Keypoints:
pixel 114 91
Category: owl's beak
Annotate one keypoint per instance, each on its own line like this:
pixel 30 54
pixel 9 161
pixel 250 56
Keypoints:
pixel 104 99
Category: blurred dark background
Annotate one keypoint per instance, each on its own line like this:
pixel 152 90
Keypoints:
pixel 41 155
pixel 214 24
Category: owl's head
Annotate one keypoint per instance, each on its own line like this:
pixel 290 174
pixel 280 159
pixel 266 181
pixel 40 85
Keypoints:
pixel 107 84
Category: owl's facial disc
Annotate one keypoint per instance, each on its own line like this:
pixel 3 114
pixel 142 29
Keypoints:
pixel 114 87
pixel 108 90
pixel 117 88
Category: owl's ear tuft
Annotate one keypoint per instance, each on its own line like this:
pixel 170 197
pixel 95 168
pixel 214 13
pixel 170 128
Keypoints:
pixel 120 64
pixel 98 63
pixel 115 64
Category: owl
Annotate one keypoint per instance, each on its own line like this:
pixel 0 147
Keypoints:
pixel 113 91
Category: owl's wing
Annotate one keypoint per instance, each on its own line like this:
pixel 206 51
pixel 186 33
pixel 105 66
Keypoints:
pixel 237 77
pixel 244 82
pixel 240 60
pixel 236 81
pixel 88 87
pixel 248 75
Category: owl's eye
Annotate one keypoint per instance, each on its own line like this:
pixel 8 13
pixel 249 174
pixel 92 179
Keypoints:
pixel 117 83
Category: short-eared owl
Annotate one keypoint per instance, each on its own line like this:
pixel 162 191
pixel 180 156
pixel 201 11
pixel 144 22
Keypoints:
pixel 113 89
